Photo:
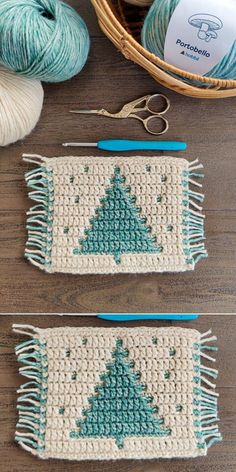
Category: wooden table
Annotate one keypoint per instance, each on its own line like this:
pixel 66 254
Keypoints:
pixel 109 80
pixel 221 457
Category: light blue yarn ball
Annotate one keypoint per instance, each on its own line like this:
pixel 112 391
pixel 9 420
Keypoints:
pixel 43 39
pixel 154 34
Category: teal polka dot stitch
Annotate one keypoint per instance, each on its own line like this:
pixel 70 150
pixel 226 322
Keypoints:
pixel 119 409
pixel 172 352
pixel 167 374
pixel 74 376
pixel 118 227
pixel 179 408
pixel 163 178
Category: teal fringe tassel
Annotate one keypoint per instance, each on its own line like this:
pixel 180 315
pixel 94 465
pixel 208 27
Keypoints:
pixel 31 404
pixel 193 219
pixel 205 399
pixel 40 217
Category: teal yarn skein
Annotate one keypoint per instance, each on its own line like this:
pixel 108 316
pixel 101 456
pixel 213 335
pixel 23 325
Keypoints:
pixel 42 39
pixel 154 33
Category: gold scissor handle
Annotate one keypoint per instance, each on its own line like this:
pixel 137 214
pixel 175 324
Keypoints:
pixel 157 97
pixel 156 118
pixel 156 114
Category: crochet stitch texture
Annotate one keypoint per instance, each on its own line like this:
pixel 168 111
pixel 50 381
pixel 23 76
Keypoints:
pixel 116 393
pixel 115 214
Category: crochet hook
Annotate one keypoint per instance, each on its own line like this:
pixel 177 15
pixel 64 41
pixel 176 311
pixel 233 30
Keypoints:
pixel 142 316
pixel 119 145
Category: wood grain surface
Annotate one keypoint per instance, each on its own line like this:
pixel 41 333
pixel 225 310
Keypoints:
pixel 109 80
pixel 221 457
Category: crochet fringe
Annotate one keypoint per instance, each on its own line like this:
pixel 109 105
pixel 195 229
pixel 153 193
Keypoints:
pixel 205 396
pixel 31 403
pixel 40 216
pixel 193 218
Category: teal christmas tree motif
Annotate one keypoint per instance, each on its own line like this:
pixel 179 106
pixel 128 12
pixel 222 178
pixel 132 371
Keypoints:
pixel 118 228
pixel 120 408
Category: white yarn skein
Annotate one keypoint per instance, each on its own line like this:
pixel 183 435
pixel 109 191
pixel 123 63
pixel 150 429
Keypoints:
pixel 21 101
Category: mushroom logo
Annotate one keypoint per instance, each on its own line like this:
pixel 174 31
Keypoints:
pixel 207 26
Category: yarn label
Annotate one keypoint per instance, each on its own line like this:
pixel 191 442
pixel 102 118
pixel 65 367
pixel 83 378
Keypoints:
pixel 200 34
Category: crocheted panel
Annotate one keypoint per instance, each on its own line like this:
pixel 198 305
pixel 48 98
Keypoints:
pixel 119 393
pixel 110 215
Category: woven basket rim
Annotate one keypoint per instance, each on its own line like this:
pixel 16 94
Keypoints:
pixel 106 12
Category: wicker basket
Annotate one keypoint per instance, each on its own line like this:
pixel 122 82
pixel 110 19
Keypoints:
pixel 140 3
pixel 112 19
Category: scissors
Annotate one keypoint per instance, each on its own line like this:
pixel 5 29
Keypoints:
pixel 131 110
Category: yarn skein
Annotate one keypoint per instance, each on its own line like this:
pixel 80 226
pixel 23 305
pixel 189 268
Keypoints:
pixel 154 33
pixel 21 101
pixel 42 39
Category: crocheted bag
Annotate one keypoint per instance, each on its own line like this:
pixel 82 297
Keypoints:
pixel 115 214
pixel 116 393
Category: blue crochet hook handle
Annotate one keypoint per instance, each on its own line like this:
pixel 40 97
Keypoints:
pixel 119 145
pixel 142 316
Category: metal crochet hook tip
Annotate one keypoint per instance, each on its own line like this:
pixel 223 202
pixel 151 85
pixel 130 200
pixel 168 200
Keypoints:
pixel 79 144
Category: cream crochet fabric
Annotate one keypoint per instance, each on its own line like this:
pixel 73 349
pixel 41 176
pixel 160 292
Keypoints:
pixel 113 393
pixel 106 215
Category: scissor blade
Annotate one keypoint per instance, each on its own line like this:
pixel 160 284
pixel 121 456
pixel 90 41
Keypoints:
pixel 85 112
